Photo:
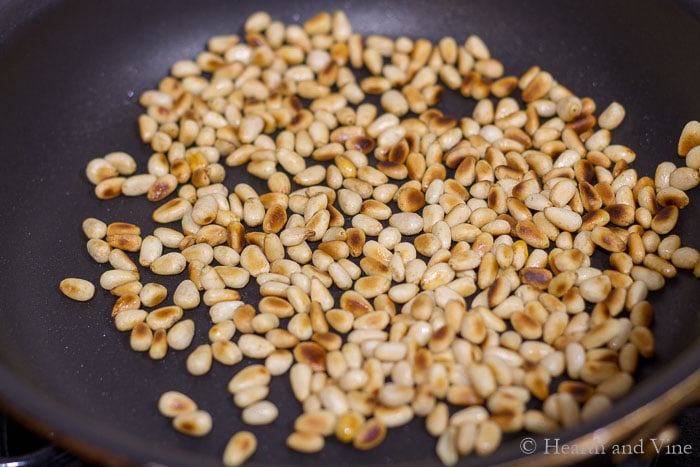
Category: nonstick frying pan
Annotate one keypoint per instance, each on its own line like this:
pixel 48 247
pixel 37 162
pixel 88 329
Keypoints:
pixel 70 76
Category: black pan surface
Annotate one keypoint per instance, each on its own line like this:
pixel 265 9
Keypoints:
pixel 70 76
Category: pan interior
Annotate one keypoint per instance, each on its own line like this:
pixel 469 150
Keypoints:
pixel 72 75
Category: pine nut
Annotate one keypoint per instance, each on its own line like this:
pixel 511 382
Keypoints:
pixel 164 318
pixel 446 447
pixel 538 422
pixel 260 413
pixel 407 223
pixel 692 159
pixel 488 438
pixel 685 258
pixel 595 289
pixel 369 435
pixel 322 422
pixel 612 116
pixel 690 137
pixel 180 335
pixel 108 281
pixel 174 403
pixel 100 169
pixel 437 420
pixel 226 352
pixel 197 423
pixel 393 417
pixel 305 442
pixel 128 301
pixel 120 260
pixel 199 361
pixel 141 337
pixel 255 346
pixel 94 228
pixel 251 376
pixel 279 362
pixel 240 447
pixel 126 320
pixel 169 264
pixel 186 295
pixel 77 289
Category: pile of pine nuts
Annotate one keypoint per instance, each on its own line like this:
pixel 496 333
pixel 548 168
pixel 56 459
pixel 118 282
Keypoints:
pixel 460 248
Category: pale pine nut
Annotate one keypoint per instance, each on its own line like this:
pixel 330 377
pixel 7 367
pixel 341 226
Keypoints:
pixel 260 413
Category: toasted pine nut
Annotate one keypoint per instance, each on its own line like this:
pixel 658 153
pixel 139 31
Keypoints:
pixel 369 435
pixel 239 448
pixel 690 138
pixel 305 442
pixel 78 289
pixel 169 264
pixel 197 423
pixel 141 337
pixel 174 403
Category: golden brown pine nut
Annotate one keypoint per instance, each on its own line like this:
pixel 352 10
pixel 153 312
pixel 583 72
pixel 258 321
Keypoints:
pixel 197 423
pixel 239 448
